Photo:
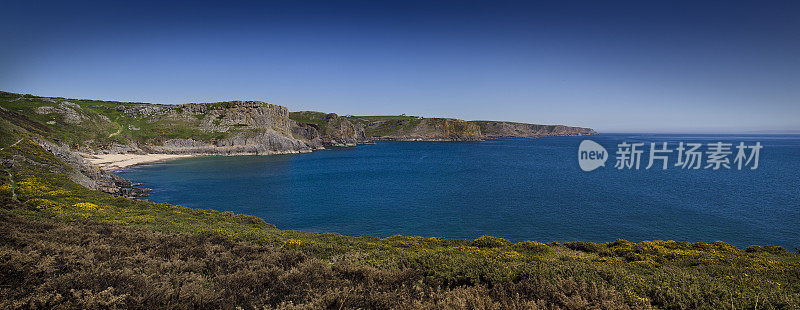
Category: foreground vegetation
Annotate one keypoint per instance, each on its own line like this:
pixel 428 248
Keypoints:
pixel 62 244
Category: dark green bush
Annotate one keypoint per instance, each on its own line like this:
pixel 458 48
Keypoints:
pixel 620 242
pixel 531 246
pixel 590 247
pixel 490 242
pixel 753 249
pixel 772 249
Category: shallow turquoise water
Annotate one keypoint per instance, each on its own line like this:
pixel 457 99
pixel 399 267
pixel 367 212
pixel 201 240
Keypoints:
pixel 519 189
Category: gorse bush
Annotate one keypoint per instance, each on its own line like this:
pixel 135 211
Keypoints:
pixel 62 245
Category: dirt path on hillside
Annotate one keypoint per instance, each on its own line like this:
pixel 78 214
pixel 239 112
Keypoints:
pixel 15 143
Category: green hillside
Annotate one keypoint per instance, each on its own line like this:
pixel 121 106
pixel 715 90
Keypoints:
pixel 94 123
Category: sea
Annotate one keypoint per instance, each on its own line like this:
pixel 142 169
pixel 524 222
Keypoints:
pixel 518 189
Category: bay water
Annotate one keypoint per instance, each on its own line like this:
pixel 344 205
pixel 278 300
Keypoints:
pixel 518 189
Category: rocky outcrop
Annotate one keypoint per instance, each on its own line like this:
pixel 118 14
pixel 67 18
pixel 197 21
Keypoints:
pixel 143 110
pixel 68 110
pixel 119 186
pixel 222 116
pixel 308 133
pixel 341 132
pixel 494 130
pixel 91 176
pixel 251 143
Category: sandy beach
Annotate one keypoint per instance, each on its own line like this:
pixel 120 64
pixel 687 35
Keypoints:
pixel 110 162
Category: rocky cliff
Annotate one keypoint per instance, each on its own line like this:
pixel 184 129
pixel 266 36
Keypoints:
pixel 69 128
pixel 328 129
pixel 223 128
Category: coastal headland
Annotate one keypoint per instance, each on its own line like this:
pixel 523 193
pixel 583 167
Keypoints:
pixel 99 136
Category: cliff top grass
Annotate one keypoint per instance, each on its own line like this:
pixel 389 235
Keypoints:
pixel 661 274
pixel 83 123
pixel 315 117
pixel 310 117
pixel 233 103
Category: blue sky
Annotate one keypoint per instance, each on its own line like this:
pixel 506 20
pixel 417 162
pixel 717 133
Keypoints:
pixel 718 66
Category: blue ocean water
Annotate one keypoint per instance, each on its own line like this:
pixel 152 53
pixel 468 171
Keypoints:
pixel 519 189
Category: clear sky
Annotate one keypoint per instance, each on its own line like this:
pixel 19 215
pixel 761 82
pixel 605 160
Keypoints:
pixel 696 66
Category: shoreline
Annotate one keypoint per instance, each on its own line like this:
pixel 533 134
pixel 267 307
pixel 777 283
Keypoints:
pixel 113 162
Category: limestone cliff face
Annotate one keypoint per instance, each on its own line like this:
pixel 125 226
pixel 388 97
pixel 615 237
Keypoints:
pixel 265 142
pixel 224 128
pixel 238 114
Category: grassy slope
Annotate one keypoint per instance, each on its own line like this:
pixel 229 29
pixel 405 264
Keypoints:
pixel 488 271
pixel 94 130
